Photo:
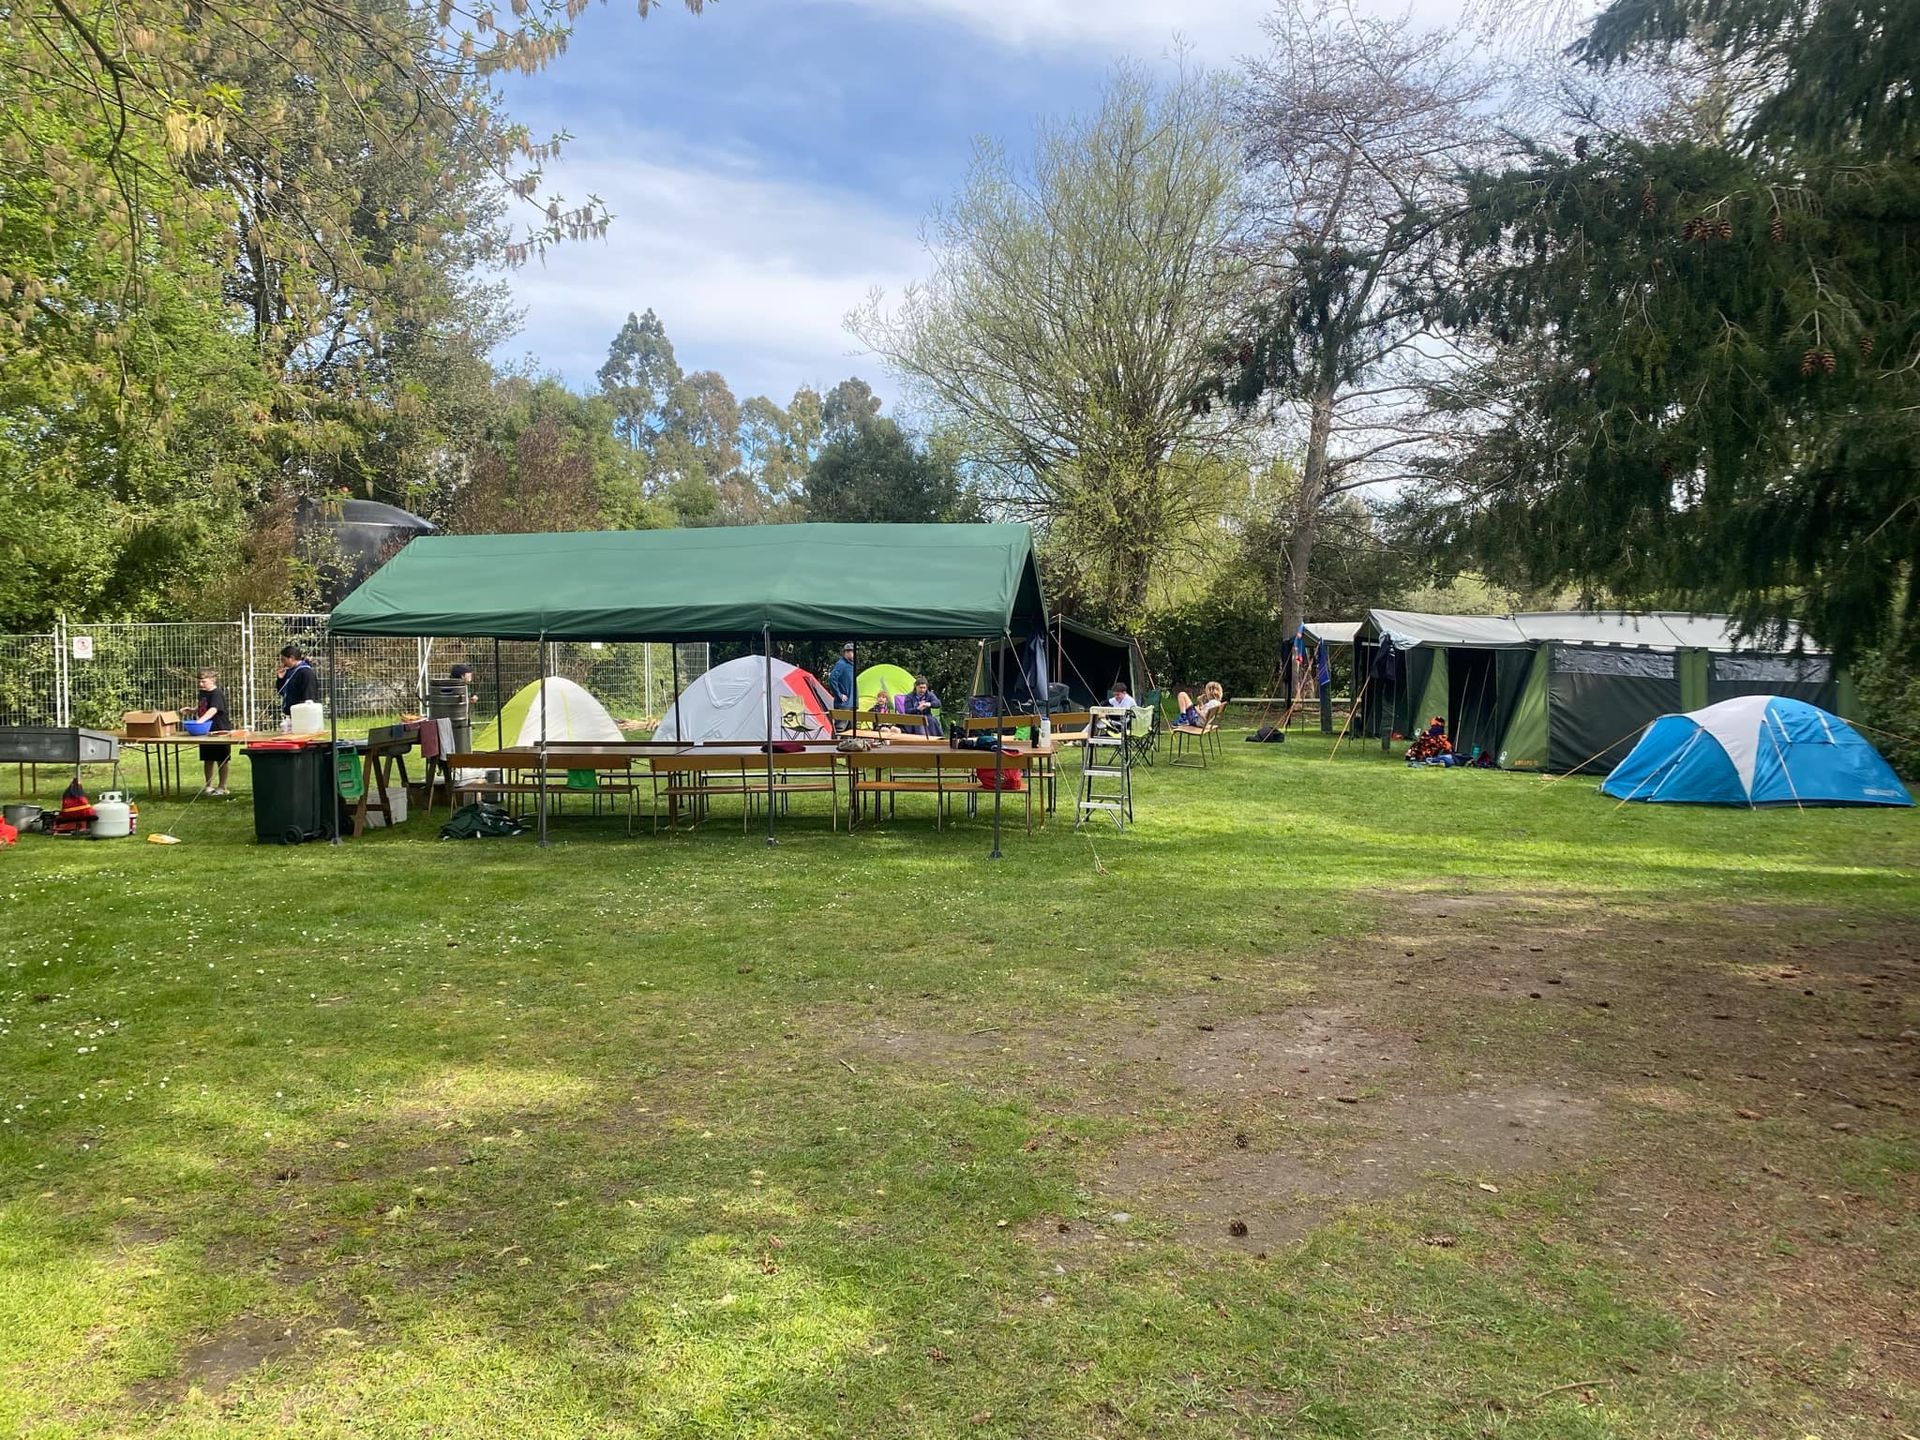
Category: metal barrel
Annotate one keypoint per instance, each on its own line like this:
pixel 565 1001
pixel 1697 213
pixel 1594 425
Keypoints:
pixel 453 700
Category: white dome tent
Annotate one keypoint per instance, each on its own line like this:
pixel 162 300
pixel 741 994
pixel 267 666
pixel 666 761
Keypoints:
pixel 729 703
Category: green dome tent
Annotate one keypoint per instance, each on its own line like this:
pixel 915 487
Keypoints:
pixel 897 681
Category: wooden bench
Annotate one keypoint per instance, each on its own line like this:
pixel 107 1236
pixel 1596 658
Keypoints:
pixel 700 778
pixel 522 773
pixel 952 772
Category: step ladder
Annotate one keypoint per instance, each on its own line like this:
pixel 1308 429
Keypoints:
pixel 1106 769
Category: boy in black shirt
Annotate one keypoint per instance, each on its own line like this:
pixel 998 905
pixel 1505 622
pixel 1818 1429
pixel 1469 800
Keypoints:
pixel 213 706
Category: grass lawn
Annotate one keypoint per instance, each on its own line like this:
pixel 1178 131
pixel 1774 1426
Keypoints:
pixel 1334 1099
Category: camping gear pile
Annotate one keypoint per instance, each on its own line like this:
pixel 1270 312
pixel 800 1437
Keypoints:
pixel 1432 747
pixel 113 817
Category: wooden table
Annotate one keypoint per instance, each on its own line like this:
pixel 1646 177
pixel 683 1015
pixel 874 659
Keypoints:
pixel 166 748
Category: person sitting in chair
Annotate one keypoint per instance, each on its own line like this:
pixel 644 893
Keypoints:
pixel 883 705
pixel 1122 697
pixel 1212 697
pixel 921 704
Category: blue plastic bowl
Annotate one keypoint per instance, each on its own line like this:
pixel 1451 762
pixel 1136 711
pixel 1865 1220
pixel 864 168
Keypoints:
pixel 196 727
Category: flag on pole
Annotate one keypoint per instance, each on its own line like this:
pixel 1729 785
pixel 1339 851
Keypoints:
pixel 1324 669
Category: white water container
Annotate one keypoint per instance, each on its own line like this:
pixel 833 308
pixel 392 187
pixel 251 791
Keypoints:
pixel 309 717
pixel 112 816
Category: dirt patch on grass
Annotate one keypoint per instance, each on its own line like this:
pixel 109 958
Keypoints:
pixel 1250 1196
pixel 1204 1048
pixel 215 1362
pixel 1198 1051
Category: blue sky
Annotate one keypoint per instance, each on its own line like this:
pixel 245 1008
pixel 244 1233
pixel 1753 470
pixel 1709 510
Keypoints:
pixel 770 162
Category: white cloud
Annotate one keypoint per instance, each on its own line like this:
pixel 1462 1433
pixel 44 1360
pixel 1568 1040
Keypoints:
pixel 751 276
pixel 1218 32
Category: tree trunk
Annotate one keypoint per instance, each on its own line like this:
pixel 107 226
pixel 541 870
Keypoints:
pixel 1305 528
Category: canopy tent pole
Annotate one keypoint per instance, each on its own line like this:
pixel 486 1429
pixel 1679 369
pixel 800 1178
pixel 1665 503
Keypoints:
pixel 999 743
pixel 679 735
pixel 543 739
pixel 333 752
pixel 499 705
pixel 766 641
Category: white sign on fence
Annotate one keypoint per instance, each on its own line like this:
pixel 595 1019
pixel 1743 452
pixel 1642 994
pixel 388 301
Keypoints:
pixel 83 647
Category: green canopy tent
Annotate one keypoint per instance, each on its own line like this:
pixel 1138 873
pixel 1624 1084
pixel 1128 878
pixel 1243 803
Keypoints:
pixel 1568 691
pixel 758 583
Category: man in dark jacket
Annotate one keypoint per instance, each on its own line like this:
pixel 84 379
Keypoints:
pixel 297 683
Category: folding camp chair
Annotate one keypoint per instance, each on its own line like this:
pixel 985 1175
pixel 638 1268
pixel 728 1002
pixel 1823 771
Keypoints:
pixel 1143 730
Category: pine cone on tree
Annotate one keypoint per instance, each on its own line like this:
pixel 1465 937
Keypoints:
pixel 1689 230
pixel 1725 229
pixel 1809 361
pixel 1866 347
pixel 1777 231
pixel 1828 362
pixel 1646 200
pixel 1579 147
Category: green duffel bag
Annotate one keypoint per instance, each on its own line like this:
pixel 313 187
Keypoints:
pixel 480 821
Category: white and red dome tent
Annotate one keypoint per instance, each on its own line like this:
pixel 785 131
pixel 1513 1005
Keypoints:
pixel 729 703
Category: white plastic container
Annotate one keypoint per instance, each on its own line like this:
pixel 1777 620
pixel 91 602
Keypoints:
pixel 396 801
pixel 309 717
pixel 112 816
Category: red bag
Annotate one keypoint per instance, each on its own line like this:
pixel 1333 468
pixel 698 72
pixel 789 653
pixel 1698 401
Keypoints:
pixel 1009 779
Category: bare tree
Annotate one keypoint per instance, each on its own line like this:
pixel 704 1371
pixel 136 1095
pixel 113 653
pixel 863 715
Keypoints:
pixel 1355 129
pixel 1070 323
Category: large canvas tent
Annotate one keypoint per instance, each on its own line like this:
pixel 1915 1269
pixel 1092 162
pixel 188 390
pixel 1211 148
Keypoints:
pixel 1572 690
pixel 763 584
pixel 1084 658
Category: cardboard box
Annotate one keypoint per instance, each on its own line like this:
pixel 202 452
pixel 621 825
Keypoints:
pixel 151 724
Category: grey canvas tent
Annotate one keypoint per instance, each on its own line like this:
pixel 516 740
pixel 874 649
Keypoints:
pixel 1563 691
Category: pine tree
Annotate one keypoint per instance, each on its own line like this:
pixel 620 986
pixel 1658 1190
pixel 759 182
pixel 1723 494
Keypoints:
pixel 1705 381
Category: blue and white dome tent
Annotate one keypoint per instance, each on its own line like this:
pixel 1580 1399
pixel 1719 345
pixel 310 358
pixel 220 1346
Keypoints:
pixel 1755 750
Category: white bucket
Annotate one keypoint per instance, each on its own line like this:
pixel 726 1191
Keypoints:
pixel 309 717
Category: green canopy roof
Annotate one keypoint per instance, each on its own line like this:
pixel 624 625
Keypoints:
pixel 800 581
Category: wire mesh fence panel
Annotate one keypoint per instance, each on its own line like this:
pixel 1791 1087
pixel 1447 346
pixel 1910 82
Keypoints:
pixel 374 677
pixel 124 666
pixel 29 680
pixel 92 674
pixel 634 681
